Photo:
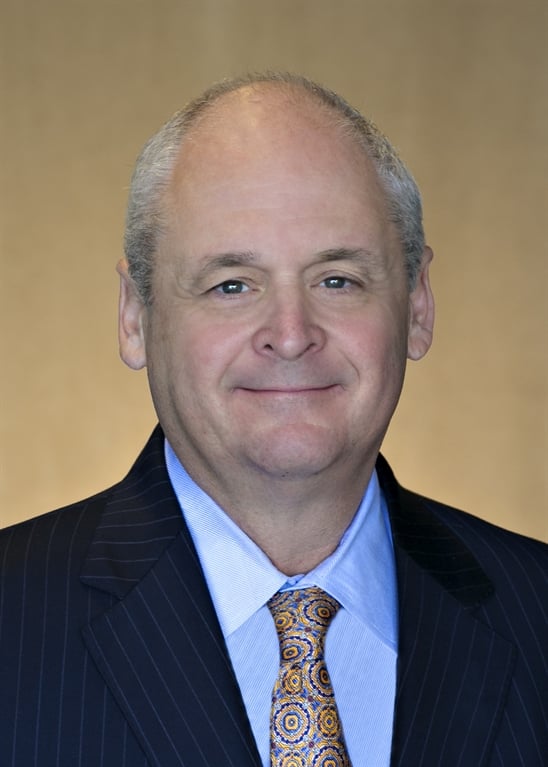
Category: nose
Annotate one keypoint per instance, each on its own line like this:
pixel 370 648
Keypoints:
pixel 288 329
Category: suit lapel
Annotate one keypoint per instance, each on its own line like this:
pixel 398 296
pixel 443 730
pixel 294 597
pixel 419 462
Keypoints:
pixel 160 649
pixel 453 671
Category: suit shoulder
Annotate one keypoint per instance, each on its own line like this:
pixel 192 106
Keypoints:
pixel 63 515
pixel 450 542
pixel 475 530
pixel 414 514
pixel 50 536
pixel 516 565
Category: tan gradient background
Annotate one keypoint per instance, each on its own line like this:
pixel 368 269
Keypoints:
pixel 459 86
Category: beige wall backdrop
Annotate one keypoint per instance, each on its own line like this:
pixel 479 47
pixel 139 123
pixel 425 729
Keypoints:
pixel 459 86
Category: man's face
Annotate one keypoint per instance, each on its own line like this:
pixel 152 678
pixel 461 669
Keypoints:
pixel 281 320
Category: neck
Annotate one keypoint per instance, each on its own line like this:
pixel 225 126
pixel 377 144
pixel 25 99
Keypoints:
pixel 299 544
pixel 296 523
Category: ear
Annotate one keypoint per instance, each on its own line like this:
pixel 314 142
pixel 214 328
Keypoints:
pixel 421 311
pixel 131 316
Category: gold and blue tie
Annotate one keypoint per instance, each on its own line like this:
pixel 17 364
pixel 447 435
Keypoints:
pixel 305 729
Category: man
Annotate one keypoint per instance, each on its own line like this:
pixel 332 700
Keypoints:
pixel 276 281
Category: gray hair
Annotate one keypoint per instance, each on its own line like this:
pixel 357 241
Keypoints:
pixel 155 166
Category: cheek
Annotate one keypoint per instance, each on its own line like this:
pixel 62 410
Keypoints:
pixel 373 340
pixel 207 350
pixel 377 349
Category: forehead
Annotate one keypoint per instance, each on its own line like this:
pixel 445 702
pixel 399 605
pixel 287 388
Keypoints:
pixel 274 156
pixel 267 126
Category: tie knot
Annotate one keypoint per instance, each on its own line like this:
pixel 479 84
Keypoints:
pixel 301 618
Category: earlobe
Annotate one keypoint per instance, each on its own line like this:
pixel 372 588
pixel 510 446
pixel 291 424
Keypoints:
pixel 130 320
pixel 421 312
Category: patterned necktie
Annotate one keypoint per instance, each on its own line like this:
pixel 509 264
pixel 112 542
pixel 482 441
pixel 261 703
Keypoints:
pixel 305 730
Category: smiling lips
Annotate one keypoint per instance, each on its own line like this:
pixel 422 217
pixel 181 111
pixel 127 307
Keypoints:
pixel 287 390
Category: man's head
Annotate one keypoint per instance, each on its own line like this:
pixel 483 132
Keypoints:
pixel 157 160
pixel 281 307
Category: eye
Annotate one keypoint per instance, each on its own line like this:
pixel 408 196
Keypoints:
pixel 336 283
pixel 231 287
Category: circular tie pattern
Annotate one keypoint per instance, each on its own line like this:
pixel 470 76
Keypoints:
pixel 305 727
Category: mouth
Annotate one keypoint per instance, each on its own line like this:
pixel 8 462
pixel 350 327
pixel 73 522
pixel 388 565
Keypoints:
pixel 289 390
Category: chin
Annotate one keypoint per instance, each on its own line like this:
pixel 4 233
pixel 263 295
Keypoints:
pixel 294 453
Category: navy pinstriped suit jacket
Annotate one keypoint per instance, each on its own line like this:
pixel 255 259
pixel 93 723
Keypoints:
pixel 111 654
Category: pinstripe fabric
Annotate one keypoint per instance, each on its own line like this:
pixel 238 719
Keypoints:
pixel 54 708
pixel 111 654
pixel 472 676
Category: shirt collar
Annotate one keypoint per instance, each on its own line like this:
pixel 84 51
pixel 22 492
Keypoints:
pixel 360 573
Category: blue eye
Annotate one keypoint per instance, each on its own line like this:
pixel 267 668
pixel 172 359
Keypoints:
pixel 231 287
pixel 336 283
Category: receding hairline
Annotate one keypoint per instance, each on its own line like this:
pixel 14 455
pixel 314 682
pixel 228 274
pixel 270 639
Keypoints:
pixel 290 96
pixel 291 93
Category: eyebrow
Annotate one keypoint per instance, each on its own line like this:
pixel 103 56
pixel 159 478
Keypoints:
pixel 248 258
pixel 347 254
pixel 224 260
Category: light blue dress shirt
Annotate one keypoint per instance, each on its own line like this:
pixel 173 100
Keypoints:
pixel 361 643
